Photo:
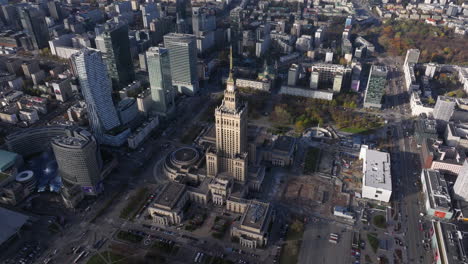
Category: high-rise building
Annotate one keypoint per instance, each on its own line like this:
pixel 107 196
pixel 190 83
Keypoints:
pixel 149 11
pixel 293 74
pixel 114 44
pixel 327 73
pixel 375 87
pixel 96 87
pixel 55 10
pixel 183 58
pixel 412 56
pixel 460 188
pixel 314 79
pixel 34 24
pixel 444 108
pixel 79 160
pixel 202 20
pixel 159 71
pixel 230 156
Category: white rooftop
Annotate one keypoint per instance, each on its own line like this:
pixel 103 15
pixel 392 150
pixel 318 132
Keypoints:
pixel 376 168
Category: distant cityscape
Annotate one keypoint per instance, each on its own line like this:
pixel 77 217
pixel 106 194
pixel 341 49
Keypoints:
pixel 234 131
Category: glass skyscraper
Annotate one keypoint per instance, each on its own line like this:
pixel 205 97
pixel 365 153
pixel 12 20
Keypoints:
pixel 159 71
pixel 97 91
pixel 33 22
pixel 114 44
pixel 183 57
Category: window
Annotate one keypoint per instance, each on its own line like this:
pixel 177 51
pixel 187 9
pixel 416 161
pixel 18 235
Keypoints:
pixel 376 196
pixel 379 192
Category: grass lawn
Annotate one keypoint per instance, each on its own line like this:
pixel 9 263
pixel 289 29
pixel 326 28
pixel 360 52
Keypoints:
pixel 290 250
pixel 311 160
pixel 123 235
pixel 357 130
pixel 373 241
pixel 135 202
pixel 191 134
pixel 380 221
pixel 106 257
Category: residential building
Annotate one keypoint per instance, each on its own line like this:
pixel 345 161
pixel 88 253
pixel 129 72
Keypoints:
pixel 96 87
pixel 293 74
pixel 159 71
pixel 327 73
pixel 377 180
pixel 444 108
pixel 183 60
pixel 436 194
pixel 460 188
pixel 412 56
pixel 375 89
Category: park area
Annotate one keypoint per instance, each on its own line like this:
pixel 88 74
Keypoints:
pixel 290 250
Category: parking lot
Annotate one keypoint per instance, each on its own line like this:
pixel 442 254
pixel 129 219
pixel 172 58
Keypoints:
pixel 316 246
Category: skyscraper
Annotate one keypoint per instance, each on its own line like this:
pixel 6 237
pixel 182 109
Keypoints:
pixel 159 71
pixel 183 58
pixel 79 160
pixel 230 156
pixel 114 44
pixel 460 188
pixel 202 20
pixel 97 91
pixel 55 10
pixel 33 22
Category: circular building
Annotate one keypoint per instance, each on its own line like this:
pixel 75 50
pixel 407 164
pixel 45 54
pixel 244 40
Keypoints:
pixel 27 179
pixel 181 162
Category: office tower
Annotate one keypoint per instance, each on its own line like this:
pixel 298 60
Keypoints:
pixel 325 74
pixel 149 11
pixel 181 26
pixel 230 156
pixel 202 20
pixel 337 82
pixel 329 57
pixel 349 21
pixel 314 79
pixel 11 16
pixel 114 44
pixel 159 71
pixel 444 107
pixel 293 74
pixel 79 160
pixel 34 24
pixel 318 38
pixel 460 188
pixel 55 10
pixel 412 56
pixel 375 87
pixel 183 58
pixel 96 87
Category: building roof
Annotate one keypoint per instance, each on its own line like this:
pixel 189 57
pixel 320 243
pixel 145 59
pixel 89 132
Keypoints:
pixel 11 222
pixel 170 195
pixel 255 215
pixel 7 159
pixel 284 144
pixel 376 167
pixel 437 190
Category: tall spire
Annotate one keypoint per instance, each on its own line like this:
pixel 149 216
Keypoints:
pixel 230 81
